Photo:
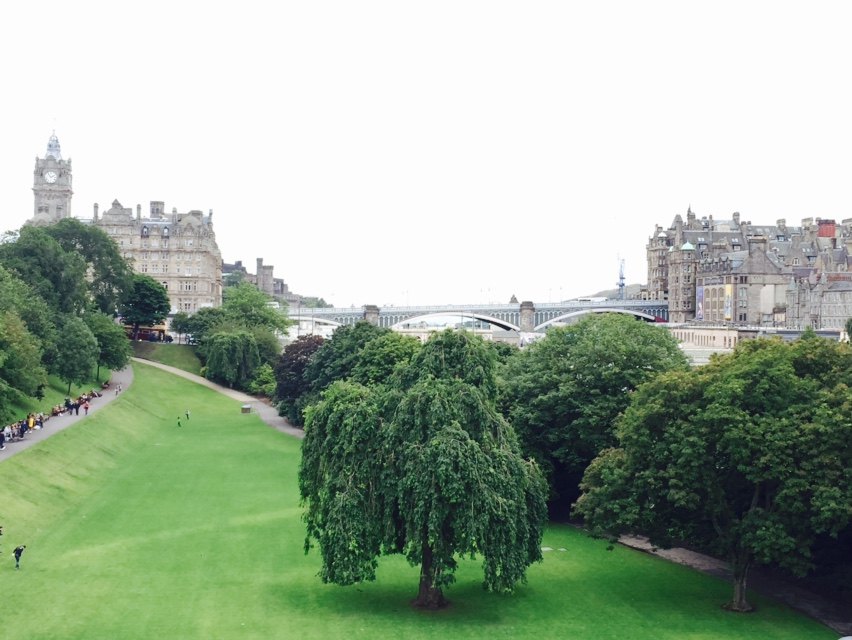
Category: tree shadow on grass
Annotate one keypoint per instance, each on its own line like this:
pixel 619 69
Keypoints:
pixel 469 603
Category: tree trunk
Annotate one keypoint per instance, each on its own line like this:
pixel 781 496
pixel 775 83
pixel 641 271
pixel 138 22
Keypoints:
pixel 429 596
pixel 739 603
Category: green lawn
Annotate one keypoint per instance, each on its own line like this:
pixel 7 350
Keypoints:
pixel 181 356
pixel 138 528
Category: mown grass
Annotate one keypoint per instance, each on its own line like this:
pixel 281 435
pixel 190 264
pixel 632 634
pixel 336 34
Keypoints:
pixel 181 356
pixel 138 528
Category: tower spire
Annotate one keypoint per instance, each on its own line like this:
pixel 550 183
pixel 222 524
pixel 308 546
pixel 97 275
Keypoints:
pixel 53 147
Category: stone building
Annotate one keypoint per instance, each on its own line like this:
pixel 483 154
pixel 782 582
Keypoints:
pixel 52 185
pixel 264 279
pixel 734 272
pixel 178 250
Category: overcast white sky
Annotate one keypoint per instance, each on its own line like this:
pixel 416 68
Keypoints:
pixel 435 152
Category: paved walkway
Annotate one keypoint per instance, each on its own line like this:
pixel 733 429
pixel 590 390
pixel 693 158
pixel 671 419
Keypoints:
pixel 834 614
pixel 58 423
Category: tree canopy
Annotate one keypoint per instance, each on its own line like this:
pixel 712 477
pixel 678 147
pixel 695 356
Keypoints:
pixel 114 349
pixel 425 467
pixel 747 457
pixel 290 383
pixel 56 275
pixel 247 306
pixel 337 357
pixel 564 392
pixel 145 303
pixel 109 274
pixel 77 351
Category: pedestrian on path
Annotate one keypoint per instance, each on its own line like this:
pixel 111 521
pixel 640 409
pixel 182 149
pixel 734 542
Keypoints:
pixel 18 552
pixel 86 407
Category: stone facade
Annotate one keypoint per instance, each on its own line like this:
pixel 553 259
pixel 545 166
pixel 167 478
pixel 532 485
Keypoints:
pixel 177 249
pixel 734 272
pixel 52 185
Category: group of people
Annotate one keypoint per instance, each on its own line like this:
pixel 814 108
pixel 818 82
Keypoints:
pixel 72 407
pixel 18 429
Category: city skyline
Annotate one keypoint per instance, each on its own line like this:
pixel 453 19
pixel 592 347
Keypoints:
pixel 385 153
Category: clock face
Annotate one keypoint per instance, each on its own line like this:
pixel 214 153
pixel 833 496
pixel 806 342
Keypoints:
pixel 50 177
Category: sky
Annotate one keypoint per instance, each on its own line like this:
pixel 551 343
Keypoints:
pixel 441 152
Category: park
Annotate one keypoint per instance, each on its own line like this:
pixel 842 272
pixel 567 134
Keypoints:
pixel 136 527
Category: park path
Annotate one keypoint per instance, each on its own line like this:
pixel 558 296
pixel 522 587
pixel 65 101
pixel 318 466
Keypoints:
pixel 833 613
pixel 58 423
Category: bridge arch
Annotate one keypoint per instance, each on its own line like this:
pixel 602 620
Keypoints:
pixel 497 322
pixel 576 314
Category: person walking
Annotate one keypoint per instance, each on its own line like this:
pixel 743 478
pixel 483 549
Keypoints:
pixel 178 420
pixel 19 550
pixel 187 415
pixel 86 407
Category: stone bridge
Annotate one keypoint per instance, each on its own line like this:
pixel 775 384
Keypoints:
pixel 524 317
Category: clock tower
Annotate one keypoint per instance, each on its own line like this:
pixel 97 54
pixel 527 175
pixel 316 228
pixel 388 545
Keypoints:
pixel 52 186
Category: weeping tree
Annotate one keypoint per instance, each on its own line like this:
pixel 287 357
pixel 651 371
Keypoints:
pixel 232 357
pixel 424 466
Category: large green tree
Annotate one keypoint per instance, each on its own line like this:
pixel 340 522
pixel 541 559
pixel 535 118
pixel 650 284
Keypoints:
pixel 747 457
pixel 232 358
pixel 56 275
pixel 247 306
pixel 146 302
pixel 337 357
pixel 19 298
pixel 21 370
pixel 425 467
pixel 109 273
pixel 564 392
pixel 114 349
pixel 382 356
pixel 77 351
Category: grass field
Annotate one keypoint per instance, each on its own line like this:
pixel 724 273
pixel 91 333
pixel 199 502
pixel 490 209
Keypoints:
pixel 181 356
pixel 137 528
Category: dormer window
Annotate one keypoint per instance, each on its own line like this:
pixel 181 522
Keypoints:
pixel 145 232
pixel 165 231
